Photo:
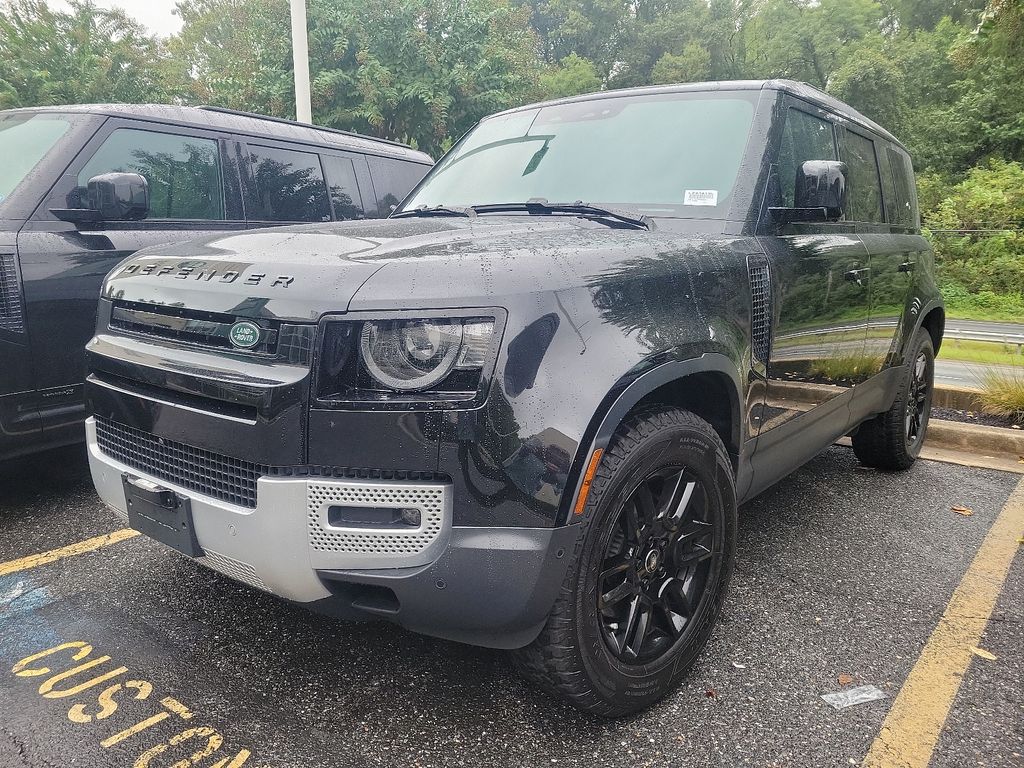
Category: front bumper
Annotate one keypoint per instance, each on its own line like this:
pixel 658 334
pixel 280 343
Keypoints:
pixel 490 586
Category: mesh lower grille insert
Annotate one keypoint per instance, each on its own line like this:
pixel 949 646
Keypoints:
pixel 211 474
pixel 385 542
pixel 760 308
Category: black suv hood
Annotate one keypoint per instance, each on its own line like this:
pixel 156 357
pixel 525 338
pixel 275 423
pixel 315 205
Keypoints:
pixel 299 273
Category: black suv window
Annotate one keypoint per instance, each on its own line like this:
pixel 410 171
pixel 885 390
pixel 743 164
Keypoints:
pixel 341 182
pixel 393 180
pixel 289 185
pixel 183 171
pixel 906 195
pixel 865 197
pixel 804 137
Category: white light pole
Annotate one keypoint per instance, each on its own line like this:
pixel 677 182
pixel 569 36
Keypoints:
pixel 300 61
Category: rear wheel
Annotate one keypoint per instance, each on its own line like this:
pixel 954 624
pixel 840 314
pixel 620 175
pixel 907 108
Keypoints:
pixel 650 569
pixel 893 440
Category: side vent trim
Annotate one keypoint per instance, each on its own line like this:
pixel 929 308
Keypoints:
pixel 11 315
pixel 760 307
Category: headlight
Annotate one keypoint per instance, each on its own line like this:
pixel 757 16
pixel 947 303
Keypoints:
pixel 413 355
pixel 415 360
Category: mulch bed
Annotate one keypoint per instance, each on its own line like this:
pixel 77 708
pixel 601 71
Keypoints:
pixel 974 417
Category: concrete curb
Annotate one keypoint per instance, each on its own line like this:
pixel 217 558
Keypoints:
pixel 958 398
pixel 976 438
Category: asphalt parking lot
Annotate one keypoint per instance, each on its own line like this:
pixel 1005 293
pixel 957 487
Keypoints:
pixel 841 571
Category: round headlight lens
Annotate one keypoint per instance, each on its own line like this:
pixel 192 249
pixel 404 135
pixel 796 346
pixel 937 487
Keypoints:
pixel 410 355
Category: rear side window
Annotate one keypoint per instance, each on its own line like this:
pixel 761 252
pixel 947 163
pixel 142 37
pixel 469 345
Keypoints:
pixel 804 137
pixel 906 194
pixel 393 180
pixel 289 185
pixel 865 196
pixel 183 172
pixel 341 183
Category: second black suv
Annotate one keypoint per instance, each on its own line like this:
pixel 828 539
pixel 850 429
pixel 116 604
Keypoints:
pixel 522 412
pixel 83 187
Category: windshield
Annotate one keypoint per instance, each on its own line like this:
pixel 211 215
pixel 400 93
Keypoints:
pixel 24 141
pixel 674 154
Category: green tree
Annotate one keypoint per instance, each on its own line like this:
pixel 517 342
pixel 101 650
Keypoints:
pixel 571 76
pixel 236 54
pixel 84 55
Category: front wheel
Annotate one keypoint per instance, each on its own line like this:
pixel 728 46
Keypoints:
pixel 650 570
pixel 893 440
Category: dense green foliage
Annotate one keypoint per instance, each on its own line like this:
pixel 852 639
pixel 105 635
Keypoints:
pixel 944 75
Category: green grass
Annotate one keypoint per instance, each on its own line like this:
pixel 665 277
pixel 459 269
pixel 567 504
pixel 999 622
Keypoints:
pixel 845 367
pixel 989 352
pixel 1003 394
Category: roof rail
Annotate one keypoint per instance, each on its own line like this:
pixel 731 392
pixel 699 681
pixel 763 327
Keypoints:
pixel 286 121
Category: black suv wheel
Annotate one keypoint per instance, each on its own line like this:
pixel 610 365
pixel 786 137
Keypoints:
pixel 893 440
pixel 650 569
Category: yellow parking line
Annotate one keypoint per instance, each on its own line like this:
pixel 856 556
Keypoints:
pixel 43 558
pixel 912 727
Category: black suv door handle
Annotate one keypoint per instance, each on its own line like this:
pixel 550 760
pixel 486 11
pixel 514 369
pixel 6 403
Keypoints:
pixel 856 275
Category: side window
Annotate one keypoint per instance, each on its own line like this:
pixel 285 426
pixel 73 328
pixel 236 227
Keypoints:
pixel 865 185
pixel 183 172
pixel 344 191
pixel 289 185
pixel 393 180
pixel 906 194
pixel 804 137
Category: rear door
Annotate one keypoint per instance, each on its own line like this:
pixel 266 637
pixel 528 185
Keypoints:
pixel 63 265
pixel 884 225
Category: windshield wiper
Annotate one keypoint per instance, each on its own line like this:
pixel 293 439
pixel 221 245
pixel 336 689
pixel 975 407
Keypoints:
pixel 539 205
pixel 434 210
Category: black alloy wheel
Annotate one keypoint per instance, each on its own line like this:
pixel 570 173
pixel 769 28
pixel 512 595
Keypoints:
pixel 919 399
pixel 656 565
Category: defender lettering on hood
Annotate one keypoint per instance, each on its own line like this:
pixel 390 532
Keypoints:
pixel 192 271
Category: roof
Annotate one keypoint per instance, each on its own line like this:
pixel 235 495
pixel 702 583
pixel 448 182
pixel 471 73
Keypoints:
pixel 800 90
pixel 246 124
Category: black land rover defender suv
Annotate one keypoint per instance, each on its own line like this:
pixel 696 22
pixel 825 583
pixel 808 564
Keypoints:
pixel 83 187
pixel 522 411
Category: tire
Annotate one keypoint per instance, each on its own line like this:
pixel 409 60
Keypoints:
pixel 657 610
pixel 892 440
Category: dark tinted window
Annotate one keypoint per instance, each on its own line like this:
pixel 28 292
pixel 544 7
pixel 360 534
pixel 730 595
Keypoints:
pixel 341 182
pixel 906 194
pixel 183 172
pixel 865 195
pixel 289 185
pixel 804 137
pixel 393 180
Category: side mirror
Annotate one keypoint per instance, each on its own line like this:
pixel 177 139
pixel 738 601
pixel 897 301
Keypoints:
pixel 110 197
pixel 820 193
pixel 119 196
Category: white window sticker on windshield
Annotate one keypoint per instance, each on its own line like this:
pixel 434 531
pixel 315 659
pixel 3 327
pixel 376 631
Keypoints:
pixel 701 197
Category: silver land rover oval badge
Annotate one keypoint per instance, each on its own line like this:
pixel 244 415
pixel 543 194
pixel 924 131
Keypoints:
pixel 244 334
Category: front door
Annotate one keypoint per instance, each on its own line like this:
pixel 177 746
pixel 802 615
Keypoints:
pixel 822 287
pixel 63 265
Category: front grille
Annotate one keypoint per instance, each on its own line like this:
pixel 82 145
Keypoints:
pixel 193 327
pixel 212 474
pixel 11 318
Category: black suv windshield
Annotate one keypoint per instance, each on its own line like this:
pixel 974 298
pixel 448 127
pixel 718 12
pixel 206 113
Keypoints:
pixel 663 154
pixel 24 141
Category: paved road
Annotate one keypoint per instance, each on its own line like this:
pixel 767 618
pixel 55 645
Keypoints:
pixel 841 570
pixel 955 373
pixel 984 329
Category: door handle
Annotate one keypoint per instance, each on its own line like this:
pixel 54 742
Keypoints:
pixel 857 275
pixel 907 266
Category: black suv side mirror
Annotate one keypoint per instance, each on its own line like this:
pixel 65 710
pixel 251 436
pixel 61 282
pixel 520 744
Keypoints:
pixel 110 197
pixel 119 196
pixel 820 193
